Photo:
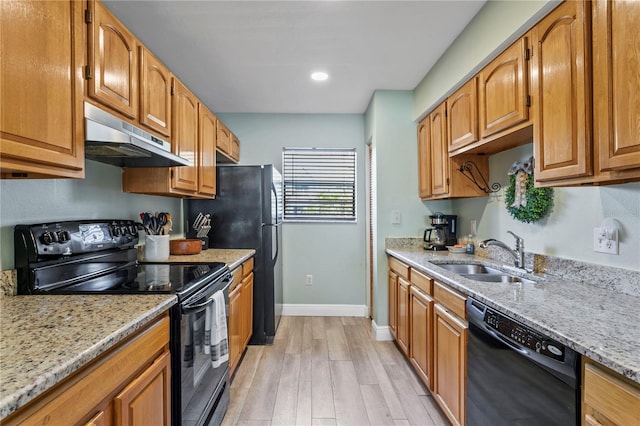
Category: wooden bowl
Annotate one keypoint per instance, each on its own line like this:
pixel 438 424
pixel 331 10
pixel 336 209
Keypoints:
pixel 183 246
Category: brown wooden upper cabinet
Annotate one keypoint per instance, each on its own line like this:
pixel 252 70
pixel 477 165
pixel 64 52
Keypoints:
pixel 41 127
pixel 439 174
pixel 424 159
pixel 112 75
pixel 503 90
pixel 462 115
pixel 616 115
pixel 574 39
pixel 155 93
pixel 185 137
pixel 561 88
pixel 207 123
pixel 228 145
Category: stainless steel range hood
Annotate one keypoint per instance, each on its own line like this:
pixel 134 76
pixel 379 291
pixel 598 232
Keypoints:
pixel 111 140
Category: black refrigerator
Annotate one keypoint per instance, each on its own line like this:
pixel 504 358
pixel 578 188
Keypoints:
pixel 247 214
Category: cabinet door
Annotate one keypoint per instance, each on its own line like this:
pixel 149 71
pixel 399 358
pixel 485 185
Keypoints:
pixel 41 127
pixel 561 90
pixel 402 336
pixel 421 337
pixel 450 364
pixel 503 90
pixel 147 399
pixel 608 398
pixel 247 309
pixel 616 55
pixel 113 61
pixel 424 159
pixel 235 325
pixel 462 115
pixel 439 152
pixel 393 303
pixel 155 93
pixel 224 139
pixel 207 151
pixel 235 148
pixel 185 137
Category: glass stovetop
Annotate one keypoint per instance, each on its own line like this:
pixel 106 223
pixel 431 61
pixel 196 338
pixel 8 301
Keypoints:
pixel 174 278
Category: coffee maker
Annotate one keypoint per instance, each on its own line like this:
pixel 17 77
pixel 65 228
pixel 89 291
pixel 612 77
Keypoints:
pixel 443 232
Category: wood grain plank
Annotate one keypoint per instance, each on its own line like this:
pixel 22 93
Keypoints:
pixel 321 391
pixel 242 383
pixel 349 404
pixel 359 355
pixel 284 411
pixel 294 341
pixel 411 404
pixel 323 422
pixel 303 409
pixel 306 354
pixel 261 396
pixel 319 330
pixel 439 419
pixel 375 404
pixel 336 340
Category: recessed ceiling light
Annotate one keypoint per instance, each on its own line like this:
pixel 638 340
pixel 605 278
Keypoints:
pixel 319 76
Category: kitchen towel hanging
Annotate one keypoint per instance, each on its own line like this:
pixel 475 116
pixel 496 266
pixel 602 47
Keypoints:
pixel 215 330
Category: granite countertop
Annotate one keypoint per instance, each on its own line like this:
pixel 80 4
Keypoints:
pixel 46 338
pixel 597 322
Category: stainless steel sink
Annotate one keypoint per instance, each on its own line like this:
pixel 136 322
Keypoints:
pixel 463 269
pixel 498 278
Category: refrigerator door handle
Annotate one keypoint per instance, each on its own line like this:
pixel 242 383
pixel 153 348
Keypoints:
pixel 275 198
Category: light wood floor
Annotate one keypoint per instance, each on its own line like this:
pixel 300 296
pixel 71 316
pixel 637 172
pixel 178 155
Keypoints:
pixel 328 371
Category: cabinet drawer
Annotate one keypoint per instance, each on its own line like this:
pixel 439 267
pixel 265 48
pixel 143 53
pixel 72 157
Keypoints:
pixel 399 268
pixel 422 281
pixel 247 267
pixel 237 278
pixel 611 396
pixel 450 298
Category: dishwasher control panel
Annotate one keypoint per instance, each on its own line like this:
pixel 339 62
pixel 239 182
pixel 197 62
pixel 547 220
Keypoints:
pixel 523 335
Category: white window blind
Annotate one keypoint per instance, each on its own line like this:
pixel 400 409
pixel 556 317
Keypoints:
pixel 319 184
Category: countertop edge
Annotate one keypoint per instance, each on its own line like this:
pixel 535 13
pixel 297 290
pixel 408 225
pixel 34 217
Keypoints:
pixel 607 359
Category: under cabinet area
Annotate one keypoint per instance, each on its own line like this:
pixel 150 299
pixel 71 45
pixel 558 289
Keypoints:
pixel 50 143
pixel 436 334
pixel 128 385
pixel 240 312
pixel 608 399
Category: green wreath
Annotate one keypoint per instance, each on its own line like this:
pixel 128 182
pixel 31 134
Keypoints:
pixel 539 201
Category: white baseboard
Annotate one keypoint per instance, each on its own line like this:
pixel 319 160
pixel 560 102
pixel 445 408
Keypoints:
pixel 295 310
pixel 380 333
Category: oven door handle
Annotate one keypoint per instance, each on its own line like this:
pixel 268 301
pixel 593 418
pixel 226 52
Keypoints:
pixel 192 308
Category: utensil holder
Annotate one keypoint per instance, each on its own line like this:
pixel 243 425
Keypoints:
pixel 156 248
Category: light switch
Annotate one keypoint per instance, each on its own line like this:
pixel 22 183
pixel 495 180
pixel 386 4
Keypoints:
pixel 395 217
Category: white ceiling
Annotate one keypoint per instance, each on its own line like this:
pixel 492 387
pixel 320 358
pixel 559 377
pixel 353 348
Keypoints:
pixel 256 56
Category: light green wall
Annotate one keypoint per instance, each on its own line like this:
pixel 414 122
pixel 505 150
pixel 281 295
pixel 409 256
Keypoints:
pixel 98 196
pixel 396 188
pixel 495 24
pixel 333 253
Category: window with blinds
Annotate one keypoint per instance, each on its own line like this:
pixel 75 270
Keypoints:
pixel 319 184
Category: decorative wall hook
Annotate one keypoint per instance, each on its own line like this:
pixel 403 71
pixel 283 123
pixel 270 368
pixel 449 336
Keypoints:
pixel 471 171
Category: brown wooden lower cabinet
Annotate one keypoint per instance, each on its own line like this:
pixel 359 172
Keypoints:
pixel 128 385
pixel 433 336
pixel 450 364
pixel 240 312
pixel 607 397
pixel 421 339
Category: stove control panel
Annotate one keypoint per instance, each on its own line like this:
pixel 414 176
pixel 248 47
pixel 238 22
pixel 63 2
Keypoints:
pixel 48 240
pixel 523 335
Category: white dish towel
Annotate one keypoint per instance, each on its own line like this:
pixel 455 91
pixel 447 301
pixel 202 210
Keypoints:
pixel 215 330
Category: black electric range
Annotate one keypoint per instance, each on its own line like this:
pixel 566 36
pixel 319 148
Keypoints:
pixel 99 257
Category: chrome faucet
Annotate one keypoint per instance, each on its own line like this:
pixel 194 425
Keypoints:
pixel 517 253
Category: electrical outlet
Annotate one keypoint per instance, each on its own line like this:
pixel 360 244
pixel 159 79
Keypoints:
pixel 395 217
pixel 605 243
pixel 309 280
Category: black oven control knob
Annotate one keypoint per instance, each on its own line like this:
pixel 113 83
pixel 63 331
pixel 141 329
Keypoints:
pixel 49 237
pixel 115 231
pixel 133 230
pixel 124 230
pixel 63 236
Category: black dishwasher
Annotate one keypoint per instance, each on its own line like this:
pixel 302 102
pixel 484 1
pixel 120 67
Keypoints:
pixel 516 375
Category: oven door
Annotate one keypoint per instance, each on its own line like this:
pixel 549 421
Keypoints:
pixel 203 389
